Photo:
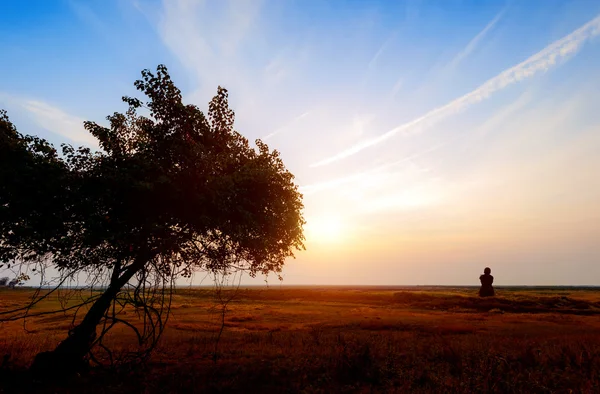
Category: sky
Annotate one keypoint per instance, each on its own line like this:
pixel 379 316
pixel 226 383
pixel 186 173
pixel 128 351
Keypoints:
pixel 430 138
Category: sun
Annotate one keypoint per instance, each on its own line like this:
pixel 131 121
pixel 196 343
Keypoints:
pixel 324 229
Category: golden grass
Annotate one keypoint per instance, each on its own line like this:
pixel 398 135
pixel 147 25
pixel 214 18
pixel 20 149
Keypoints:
pixel 332 339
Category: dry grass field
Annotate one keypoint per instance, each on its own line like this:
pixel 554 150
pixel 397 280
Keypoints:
pixel 336 339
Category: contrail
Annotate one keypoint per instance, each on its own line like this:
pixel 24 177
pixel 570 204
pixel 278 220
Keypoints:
pixel 475 41
pixel 282 129
pixel 539 62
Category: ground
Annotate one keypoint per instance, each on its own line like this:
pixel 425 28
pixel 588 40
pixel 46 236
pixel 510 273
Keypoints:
pixel 343 339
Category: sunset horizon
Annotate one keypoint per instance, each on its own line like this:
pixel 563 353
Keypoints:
pixel 422 158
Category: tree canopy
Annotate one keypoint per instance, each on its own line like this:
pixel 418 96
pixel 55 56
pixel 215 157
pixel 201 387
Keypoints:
pixel 174 184
pixel 173 191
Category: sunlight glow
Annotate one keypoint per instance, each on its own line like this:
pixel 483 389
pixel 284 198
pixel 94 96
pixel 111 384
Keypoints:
pixel 325 229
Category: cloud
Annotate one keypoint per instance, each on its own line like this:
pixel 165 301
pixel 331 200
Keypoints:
pixel 206 37
pixel 472 45
pixel 539 62
pixel 231 44
pixel 284 128
pixel 53 119
pixel 382 48
pixel 397 86
pixel 57 121
pixel 85 13
pixel 426 193
pixel 362 176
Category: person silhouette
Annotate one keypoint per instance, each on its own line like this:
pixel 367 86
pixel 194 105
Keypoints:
pixel 486 280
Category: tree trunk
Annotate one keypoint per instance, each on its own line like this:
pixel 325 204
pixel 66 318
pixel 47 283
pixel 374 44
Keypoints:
pixel 70 355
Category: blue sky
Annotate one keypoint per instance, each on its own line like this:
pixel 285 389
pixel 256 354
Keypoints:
pixel 430 138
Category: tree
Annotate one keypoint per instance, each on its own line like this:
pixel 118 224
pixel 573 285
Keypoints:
pixel 17 281
pixel 170 194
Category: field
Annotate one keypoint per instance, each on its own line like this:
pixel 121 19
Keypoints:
pixel 336 339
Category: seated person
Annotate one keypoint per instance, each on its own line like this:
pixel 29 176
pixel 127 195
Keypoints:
pixel 486 279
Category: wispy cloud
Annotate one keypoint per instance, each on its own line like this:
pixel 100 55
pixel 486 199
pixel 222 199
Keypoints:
pixel 535 64
pixel 209 46
pixel 396 88
pixel 85 13
pixel 215 41
pixel 52 119
pixel 475 41
pixel 361 176
pixel 382 48
pixel 57 121
pixel 286 127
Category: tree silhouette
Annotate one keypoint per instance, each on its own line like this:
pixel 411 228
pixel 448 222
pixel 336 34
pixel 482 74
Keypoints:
pixel 171 193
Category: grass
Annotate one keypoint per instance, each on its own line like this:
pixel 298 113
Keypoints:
pixel 336 339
